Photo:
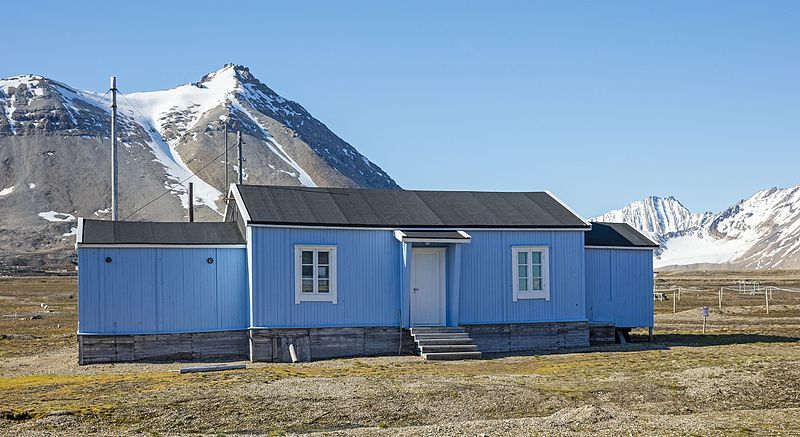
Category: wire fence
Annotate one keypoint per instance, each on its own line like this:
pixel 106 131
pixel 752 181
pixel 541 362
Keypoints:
pixel 741 293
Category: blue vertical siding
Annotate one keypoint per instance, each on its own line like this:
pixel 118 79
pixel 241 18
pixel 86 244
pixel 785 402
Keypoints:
pixel 619 287
pixel 487 284
pixel 161 290
pixel 453 283
pixel 369 278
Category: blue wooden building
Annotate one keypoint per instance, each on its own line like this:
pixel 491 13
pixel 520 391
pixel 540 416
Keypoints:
pixel 314 273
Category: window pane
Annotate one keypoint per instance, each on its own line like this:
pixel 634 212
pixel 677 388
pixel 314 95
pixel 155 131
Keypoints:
pixel 523 284
pixel 322 258
pixel 536 257
pixel 322 272
pixel 537 271
pixel 308 257
pixel 522 271
pixel 308 285
pixel 522 258
pixel 536 284
pixel 323 286
pixel 308 271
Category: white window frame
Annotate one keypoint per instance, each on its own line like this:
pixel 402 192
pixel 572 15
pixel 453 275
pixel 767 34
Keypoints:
pixel 544 293
pixel 299 296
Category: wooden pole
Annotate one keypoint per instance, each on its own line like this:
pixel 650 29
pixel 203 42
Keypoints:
pixel 114 166
pixel 241 158
pixel 674 302
pixel 226 161
pixel 766 300
pixel 704 324
pixel 720 298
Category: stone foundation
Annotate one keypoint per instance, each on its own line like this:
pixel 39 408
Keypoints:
pixel 310 344
pixel 196 346
pixel 529 337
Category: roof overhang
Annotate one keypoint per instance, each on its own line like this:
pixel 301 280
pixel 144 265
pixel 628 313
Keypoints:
pixel 428 237
pixel 623 247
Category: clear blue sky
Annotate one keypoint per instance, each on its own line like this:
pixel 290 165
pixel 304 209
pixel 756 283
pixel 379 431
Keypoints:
pixel 601 102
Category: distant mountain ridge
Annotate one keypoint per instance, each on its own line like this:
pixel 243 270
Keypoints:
pixel 55 154
pixel 762 231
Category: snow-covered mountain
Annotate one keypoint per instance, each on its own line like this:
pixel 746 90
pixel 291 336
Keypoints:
pixel 762 231
pixel 55 154
pixel 656 216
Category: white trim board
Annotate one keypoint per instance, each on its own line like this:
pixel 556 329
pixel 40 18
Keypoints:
pixel 239 203
pixel 549 193
pixel 79 237
pixel 451 228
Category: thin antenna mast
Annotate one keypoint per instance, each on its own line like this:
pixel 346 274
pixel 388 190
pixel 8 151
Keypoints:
pixel 114 166
pixel 241 158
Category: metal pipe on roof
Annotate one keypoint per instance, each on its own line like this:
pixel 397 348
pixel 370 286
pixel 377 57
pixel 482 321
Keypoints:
pixel 191 202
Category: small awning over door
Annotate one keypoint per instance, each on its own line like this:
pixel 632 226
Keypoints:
pixel 437 236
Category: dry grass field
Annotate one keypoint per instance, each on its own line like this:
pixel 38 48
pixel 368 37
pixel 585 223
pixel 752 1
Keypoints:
pixel 741 378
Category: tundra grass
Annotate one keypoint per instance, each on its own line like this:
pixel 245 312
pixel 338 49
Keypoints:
pixel 741 378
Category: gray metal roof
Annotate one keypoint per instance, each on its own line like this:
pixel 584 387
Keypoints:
pixel 378 208
pixel 160 233
pixel 616 235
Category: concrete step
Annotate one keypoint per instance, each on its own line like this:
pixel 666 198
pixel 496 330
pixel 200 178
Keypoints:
pixel 448 348
pixel 451 356
pixel 441 335
pixel 443 341
pixel 436 329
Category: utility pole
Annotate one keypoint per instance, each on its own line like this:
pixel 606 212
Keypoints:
pixel 114 166
pixel 191 202
pixel 241 158
pixel 226 161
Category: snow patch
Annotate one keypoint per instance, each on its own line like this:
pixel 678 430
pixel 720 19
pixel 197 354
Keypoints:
pixel 73 231
pixel 276 148
pixel 53 216
pixel 6 191
pixel 31 81
pixel 31 185
pixel 156 106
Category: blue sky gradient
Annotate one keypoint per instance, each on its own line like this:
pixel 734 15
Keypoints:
pixel 600 102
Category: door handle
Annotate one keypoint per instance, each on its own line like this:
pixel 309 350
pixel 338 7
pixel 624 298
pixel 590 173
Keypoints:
pixel 416 289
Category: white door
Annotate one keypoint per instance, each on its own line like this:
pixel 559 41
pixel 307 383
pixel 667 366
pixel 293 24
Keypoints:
pixel 427 287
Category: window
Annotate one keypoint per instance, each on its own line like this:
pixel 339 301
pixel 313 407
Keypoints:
pixel 315 274
pixel 531 272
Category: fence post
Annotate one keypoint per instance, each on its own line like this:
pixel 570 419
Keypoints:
pixel 720 299
pixel 674 302
pixel 766 299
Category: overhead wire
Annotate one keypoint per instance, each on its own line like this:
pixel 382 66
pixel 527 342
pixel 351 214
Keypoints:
pixel 193 174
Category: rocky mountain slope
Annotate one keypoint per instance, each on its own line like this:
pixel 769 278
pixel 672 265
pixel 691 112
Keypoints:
pixel 762 231
pixel 55 155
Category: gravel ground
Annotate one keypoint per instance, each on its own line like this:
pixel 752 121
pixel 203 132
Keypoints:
pixel 741 378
